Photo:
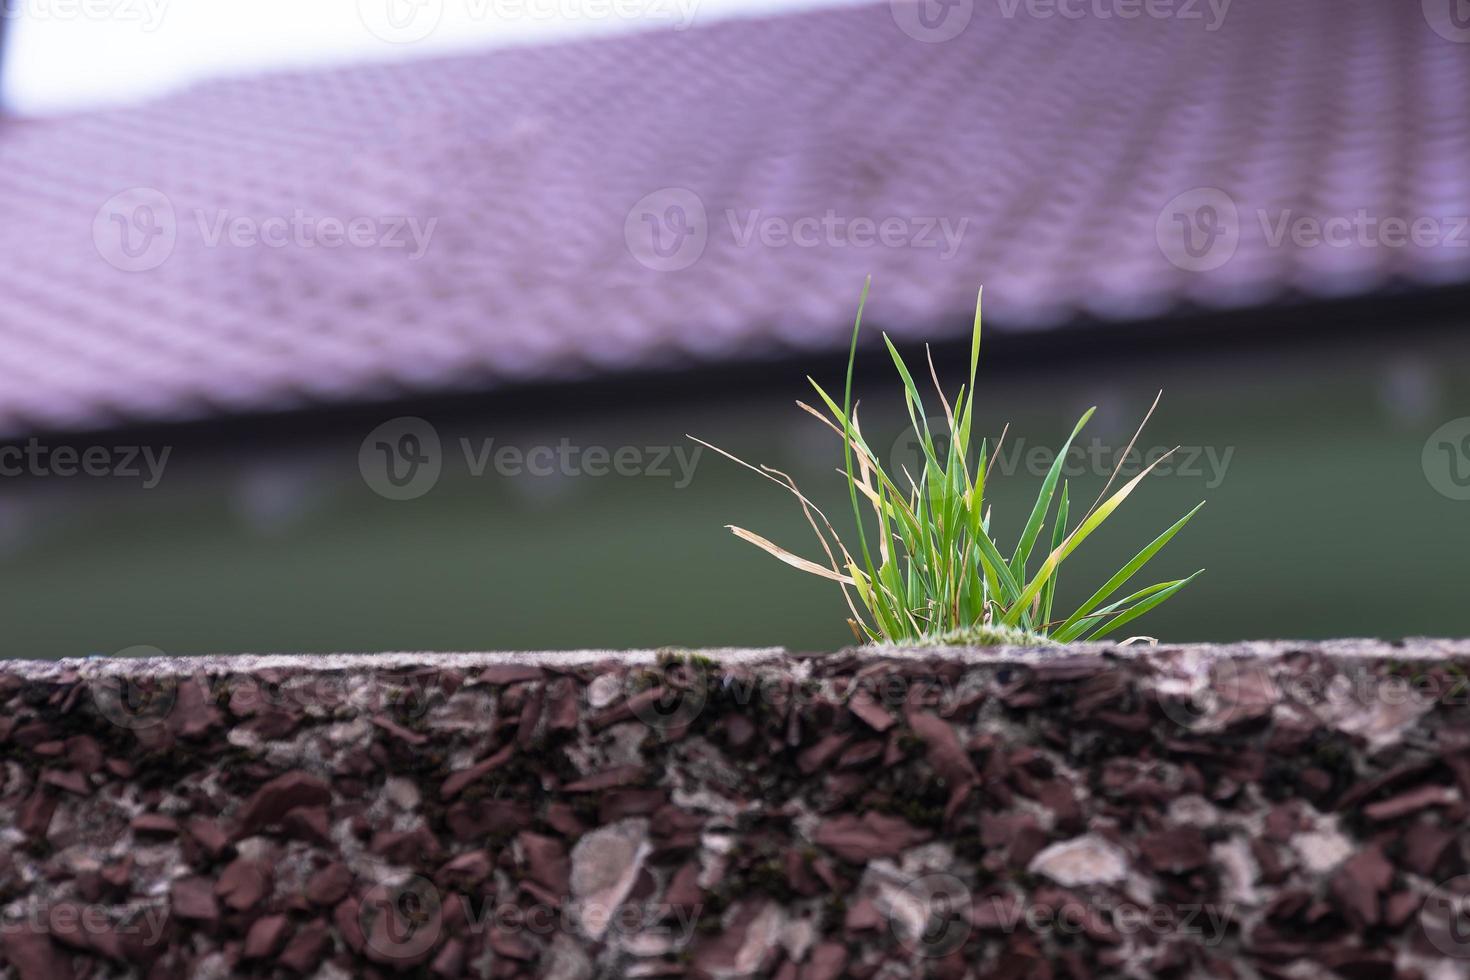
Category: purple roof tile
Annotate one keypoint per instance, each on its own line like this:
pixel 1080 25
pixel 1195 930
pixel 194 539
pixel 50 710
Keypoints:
pixel 1081 155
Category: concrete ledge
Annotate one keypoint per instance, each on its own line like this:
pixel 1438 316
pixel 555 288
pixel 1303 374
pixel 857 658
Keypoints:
pixel 1254 810
pixel 1412 648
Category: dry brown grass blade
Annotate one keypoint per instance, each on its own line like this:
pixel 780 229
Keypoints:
pixel 1118 467
pixel 764 471
pixel 866 467
pixel 913 484
pixel 870 488
pixel 996 454
pixel 934 376
pixel 864 459
pixel 872 496
pixel 807 509
pixel 1066 546
pixel 913 622
pixel 781 554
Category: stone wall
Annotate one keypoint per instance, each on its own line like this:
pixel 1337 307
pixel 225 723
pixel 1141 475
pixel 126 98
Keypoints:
pixel 1261 810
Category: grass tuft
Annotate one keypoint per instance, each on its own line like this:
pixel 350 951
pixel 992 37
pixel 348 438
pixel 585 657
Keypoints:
pixel 940 577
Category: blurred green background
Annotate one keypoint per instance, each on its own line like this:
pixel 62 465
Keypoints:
pixel 1322 522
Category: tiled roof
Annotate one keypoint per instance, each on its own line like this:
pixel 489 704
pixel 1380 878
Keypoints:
pixel 1056 147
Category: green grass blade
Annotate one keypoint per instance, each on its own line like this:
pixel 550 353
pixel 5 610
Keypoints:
pixel 1140 608
pixel 975 592
pixel 1090 524
pixel 914 402
pixel 1111 609
pixel 1058 534
pixel 975 504
pixel 857 512
pixel 898 496
pixel 1043 501
pixel 1128 571
pixel 1009 588
pixel 962 425
pixel 975 342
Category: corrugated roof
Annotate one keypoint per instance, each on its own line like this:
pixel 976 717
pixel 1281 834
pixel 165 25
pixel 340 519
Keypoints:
pixel 1065 157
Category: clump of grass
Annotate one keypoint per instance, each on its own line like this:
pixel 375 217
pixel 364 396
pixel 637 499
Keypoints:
pixel 939 575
